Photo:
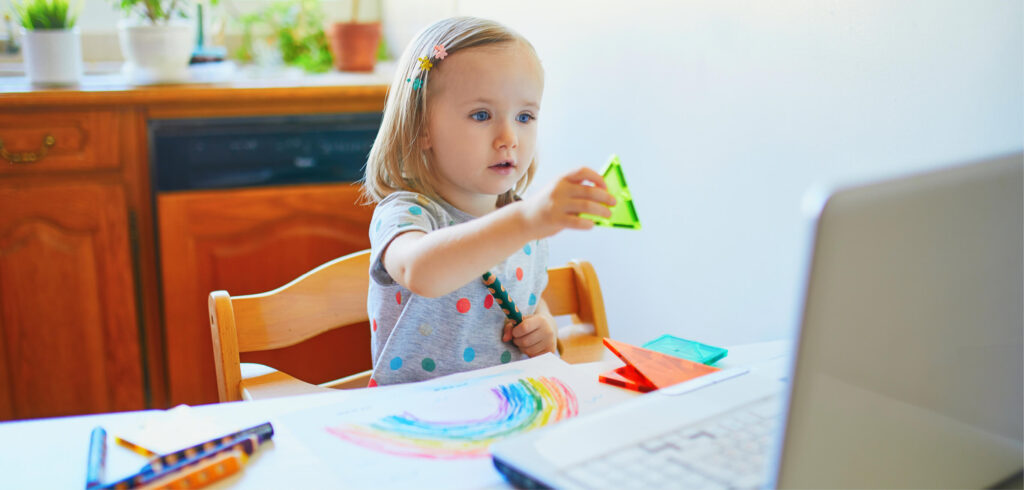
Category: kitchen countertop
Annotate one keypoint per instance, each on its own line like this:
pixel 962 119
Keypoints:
pixel 103 83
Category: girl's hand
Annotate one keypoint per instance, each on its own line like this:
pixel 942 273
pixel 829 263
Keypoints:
pixel 536 335
pixel 559 205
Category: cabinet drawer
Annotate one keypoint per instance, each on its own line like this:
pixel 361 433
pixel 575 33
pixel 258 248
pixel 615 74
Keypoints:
pixel 38 142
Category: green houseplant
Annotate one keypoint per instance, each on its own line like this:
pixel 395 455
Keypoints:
pixel 53 47
pixel 294 27
pixel 156 39
pixel 45 14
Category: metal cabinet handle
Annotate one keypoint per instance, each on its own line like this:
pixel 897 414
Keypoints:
pixel 28 156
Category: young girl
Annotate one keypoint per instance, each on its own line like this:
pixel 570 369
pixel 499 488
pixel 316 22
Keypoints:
pixel 456 147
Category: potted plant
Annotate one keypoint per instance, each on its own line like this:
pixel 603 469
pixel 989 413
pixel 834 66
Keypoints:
pixel 53 47
pixel 354 43
pixel 156 39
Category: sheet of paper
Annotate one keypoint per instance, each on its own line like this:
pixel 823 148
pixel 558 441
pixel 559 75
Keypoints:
pixel 173 429
pixel 437 433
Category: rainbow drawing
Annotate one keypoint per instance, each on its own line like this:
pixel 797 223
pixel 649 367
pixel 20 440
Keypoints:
pixel 523 405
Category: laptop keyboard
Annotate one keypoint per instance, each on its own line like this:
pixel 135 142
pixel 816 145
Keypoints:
pixel 726 451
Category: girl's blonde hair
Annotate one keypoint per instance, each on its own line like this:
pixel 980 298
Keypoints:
pixel 396 161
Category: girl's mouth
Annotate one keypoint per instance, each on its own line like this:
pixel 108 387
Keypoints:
pixel 504 168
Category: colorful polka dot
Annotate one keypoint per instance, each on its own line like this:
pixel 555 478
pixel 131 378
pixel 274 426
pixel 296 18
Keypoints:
pixel 403 225
pixel 415 210
pixel 505 357
pixel 519 273
pixel 422 199
pixel 533 299
pixel 488 302
pixel 451 222
pixel 462 305
pixel 426 330
pixel 527 249
pixel 372 383
pixel 378 225
pixel 374 324
pixel 398 297
pixel 428 364
pixel 396 363
pixel 468 354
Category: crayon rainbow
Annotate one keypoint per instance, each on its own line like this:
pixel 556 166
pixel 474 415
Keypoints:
pixel 523 405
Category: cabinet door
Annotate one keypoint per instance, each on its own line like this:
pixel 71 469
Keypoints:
pixel 249 241
pixel 69 336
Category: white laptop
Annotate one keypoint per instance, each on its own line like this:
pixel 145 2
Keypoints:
pixel 907 373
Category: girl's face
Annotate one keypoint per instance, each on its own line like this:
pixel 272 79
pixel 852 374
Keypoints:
pixel 481 129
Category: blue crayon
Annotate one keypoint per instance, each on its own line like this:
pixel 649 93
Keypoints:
pixel 97 458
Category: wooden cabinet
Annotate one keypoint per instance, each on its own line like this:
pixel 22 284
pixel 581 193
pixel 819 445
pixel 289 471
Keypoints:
pixel 69 323
pixel 248 241
pixel 94 317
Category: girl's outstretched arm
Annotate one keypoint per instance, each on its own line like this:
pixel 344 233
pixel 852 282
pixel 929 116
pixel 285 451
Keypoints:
pixel 437 263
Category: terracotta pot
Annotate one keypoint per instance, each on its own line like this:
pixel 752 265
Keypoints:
pixel 354 45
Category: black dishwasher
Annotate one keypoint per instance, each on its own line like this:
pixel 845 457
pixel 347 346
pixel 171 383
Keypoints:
pixel 222 153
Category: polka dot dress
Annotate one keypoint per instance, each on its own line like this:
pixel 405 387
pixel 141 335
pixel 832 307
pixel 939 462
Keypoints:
pixel 416 338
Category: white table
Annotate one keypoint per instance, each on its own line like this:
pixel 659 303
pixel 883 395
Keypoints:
pixel 53 453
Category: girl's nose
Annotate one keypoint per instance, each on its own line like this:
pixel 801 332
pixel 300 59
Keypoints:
pixel 506 137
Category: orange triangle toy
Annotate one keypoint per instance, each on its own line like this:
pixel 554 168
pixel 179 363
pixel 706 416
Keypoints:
pixel 625 377
pixel 651 370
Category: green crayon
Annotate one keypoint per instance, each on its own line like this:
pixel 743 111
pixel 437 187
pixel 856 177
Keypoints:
pixel 501 296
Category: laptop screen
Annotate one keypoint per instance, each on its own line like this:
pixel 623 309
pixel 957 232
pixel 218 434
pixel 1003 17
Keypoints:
pixel 909 367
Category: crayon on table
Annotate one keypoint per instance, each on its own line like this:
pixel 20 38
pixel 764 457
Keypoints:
pixel 501 296
pixel 148 475
pixel 97 461
pixel 135 448
pixel 203 472
pixel 262 432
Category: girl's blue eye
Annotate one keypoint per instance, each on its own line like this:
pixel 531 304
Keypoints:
pixel 525 118
pixel 480 116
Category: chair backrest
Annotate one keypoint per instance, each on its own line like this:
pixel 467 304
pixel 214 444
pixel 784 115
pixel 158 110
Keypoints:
pixel 333 296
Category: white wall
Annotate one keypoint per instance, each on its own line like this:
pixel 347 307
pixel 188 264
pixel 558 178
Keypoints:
pixel 724 112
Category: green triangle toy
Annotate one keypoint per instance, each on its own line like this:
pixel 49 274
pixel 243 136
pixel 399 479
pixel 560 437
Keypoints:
pixel 623 212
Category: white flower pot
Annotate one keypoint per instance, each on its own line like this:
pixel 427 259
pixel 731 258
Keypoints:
pixel 156 53
pixel 53 57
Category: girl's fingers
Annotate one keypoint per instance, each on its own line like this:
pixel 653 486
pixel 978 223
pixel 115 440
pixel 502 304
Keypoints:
pixel 531 339
pixel 578 206
pixel 586 174
pixel 577 223
pixel 506 334
pixel 593 194
pixel 523 329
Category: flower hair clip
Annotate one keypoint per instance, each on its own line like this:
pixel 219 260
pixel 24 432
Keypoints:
pixel 439 53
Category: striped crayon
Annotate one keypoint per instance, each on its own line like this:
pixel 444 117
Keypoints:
pixel 149 475
pixel 135 448
pixel 501 296
pixel 204 471
pixel 262 432
pixel 247 440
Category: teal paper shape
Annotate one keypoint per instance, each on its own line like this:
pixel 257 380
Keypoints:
pixel 687 349
pixel 623 213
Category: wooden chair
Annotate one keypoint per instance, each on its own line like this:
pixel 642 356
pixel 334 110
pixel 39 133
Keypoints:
pixel 333 296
